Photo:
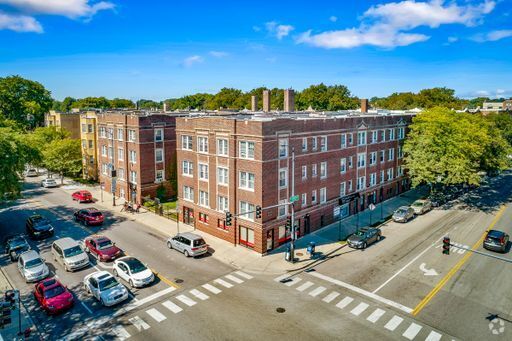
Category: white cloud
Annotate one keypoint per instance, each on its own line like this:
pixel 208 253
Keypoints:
pixel 492 36
pixel 69 8
pixel 280 31
pixel 256 28
pixel 218 54
pixel 19 23
pixel 189 61
pixel 452 39
pixel 388 25
pixel 333 18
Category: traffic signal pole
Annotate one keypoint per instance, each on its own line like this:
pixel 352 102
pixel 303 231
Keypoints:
pixel 482 253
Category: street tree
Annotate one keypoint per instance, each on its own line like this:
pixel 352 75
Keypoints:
pixel 63 157
pixel 121 103
pixel 92 102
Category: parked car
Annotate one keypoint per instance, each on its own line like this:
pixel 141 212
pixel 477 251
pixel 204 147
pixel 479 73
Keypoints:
pixel 101 248
pixel 49 183
pixel 89 216
pixel 403 214
pixel 189 243
pixel 496 241
pixel 38 227
pixel 421 206
pixel 15 246
pixel 32 267
pixel 82 196
pixel 105 288
pixel 53 296
pixel 364 237
pixel 133 271
pixel 31 172
pixel 67 252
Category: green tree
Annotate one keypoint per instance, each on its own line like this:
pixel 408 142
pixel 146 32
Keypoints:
pixel 67 104
pixel 323 97
pixel 63 157
pixel 149 104
pixel 92 102
pixel 120 103
pixel 226 98
pixel 24 101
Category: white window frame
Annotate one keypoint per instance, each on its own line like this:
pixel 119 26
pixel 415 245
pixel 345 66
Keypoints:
pixel 187 168
pixel 375 136
pixel 323 143
pixel 373 179
pixel 120 134
pixel 401 133
pixel 245 206
pixel 343 189
pixel 314 144
pixel 245 150
pixel 104 150
pixel 158 178
pixel 202 144
pixel 382 177
pixel 283 181
pixel 283 148
pixel 133 156
pixel 304 170
pixel 323 169
pixel 186 142
pixel 222 147
pixel 391 134
pixel 133 177
pixel 304 144
pixel 222 176
pixel 313 197
pixel 120 153
pixel 188 193
pixel 203 171
pixel 343 141
pixel 382 156
pixel 157 152
pixel 390 173
pixel 343 165
pixel 350 185
pixel 361 138
pixel 373 159
pixel 400 153
pixel 120 173
pixel 391 154
pixel 132 137
pixel 361 183
pixel 304 200
pixel 222 203
pixel 323 195
pixel 282 210
pixel 314 170
pixel 245 182
pixel 361 160
pixel 157 130
pixel 204 199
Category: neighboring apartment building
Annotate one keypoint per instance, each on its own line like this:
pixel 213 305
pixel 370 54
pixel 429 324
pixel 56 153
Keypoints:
pixel 69 121
pixel 235 163
pixel 89 137
pixel 142 147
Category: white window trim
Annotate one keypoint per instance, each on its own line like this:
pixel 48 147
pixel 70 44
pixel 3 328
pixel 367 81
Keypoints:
pixel 199 164
pixel 218 176
pixel 219 149
pixel 201 137
pixel 285 170
pixel 247 181
pixel 155 135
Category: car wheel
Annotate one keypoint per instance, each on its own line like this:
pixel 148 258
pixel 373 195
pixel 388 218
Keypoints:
pixel 13 256
pixel 131 284
pixel 186 253
pixel 364 245
pixel 379 237
pixel 169 245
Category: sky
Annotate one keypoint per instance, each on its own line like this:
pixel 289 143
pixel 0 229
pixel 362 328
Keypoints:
pixel 157 49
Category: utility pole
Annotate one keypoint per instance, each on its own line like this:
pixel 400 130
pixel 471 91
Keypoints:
pixel 292 244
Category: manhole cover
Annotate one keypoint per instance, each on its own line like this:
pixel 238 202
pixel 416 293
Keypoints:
pixel 280 310
pixel 299 254
pixel 178 280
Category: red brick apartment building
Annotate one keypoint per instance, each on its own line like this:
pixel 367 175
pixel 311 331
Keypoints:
pixel 141 146
pixel 234 163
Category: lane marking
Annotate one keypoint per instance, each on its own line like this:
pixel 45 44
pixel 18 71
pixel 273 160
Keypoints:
pixel 457 266
pixel 393 323
pixel 412 331
pixel 172 307
pixel 294 281
pixel 244 275
pixel 359 309
pixel 86 307
pixel 317 291
pixel 211 288
pixel 223 283
pixel 329 298
pixel 199 294
pixel 139 323
pixel 376 315
pixel 142 301
pixel 188 301
pixel 156 315
pixel 362 292
pixel 305 286
pixel 279 278
pixel 121 333
pixel 165 280
pixel 433 336
pixel 344 302
pixel 234 279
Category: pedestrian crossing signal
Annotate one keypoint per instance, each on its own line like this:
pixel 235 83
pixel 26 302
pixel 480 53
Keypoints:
pixel 446 245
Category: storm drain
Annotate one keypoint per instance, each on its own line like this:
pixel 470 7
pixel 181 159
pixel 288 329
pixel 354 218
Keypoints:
pixel 178 280
pixel 280 310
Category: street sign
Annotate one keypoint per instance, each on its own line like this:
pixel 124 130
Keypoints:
pixel 371 207
pixel 294 198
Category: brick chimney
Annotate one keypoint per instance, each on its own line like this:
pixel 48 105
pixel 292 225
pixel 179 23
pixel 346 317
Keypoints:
pixel 364 105
pixel 266 100
pixel 165 106
pixel 254 103
pixel 289 100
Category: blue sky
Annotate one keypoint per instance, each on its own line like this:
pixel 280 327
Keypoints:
pixel 161 49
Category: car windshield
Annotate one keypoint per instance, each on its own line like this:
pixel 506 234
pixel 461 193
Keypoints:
pixel 135 265
pixel 16 243
pixel 72 251
pixel 199 242
pixel 52 292
pixel 417 204
pixel 359 233
pixel 401 211
pixel 108 283
pixel 104 244
pixel 33 263
pixel 41 222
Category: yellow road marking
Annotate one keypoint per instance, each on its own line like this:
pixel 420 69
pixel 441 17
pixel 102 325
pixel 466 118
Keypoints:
pixel 165 280
pixel 457 266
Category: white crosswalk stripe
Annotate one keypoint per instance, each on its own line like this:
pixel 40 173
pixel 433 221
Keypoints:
pixel 244 275
pixel 188 301
pixel 234 279
pixel 139 323
pixel 305 286
pixel 121 333
pixel 376 315
pixel 279 278
pixel 223 283
pixel 317 291
pixel 433 336
pixel 199 294
pixel 329 298
pixel 293 281
pixel 211 288
pixel 172 307
pixel 359 309
pixel 412 331
pixel 344 302
pixel 156 315
pixel 393 323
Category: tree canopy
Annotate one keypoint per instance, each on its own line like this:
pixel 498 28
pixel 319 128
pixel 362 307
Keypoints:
pixel 63 157
pixel 426 99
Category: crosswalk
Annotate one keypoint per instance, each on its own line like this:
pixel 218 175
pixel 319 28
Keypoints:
pixel 179 303
pixel 358 308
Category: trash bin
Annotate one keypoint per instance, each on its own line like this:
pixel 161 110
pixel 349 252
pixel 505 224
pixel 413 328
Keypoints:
pixel 311 249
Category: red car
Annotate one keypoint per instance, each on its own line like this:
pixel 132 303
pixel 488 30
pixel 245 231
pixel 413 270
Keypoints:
pixel 53 296
pixel 82 196
pixel 89 216
pixel 101 248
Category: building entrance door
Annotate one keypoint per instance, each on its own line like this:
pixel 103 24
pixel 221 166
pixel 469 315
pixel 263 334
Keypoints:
pixel 270 239
pixel 188 215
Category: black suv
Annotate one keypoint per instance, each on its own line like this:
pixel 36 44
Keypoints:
pixel 38 227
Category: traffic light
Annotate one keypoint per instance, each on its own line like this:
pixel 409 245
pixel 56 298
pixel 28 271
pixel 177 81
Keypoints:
pixel 446 245
pixel 228 218
pixel 258 212
pixel 288 223
pixel 5 314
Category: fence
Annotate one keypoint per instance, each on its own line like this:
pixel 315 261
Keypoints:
pixel 167 210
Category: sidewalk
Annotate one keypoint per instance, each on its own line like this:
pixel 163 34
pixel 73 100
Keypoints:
pixel 240 257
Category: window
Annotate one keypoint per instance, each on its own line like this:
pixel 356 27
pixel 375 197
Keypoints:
pixel 323 195
pixel 313 143
pixel 104 150
pixel 90 144
pixel 313 197
pixel 246 181
pixel 343 165
pixel 323 170
pixel 131 135
pixel 381 156
pixel 110 152
pixel 283 209
pixel 313 170
pixel 187 168
pixel 391 154
pixel 343 189
pixel 390 174
pixel 133 177
pixel 159 177
pixel 400 152
pixel 382 179
pixel 373 158
pixel 399 171
pixel 120 134
pixel 375 136
pixel 343 143
pixel 392 134
pixel 283 178
pixel 361 138
pixel 159 135
pixel 401 133
pixel 350 185
pixel 133 156
pixel 323 143
pixel 247 150
pixel 373 179
pixel 222 147
pixel 203 171
pixel 110 133
pixel 120 153
pixel 222 204
pixel 120 173
pixel 203 217
pixel 383 135
pixel 186 142
pixel 84 128
pixel 361 183
pixel 84 144
pixel 222 176
pixel 304 172
pixel 304 200
pixel 350 163
pixel 304 144
pixel 283 147
pixel 361 160
pixel 246 207
pixel 203 198
pixel 188 193
pixel 202 144
pixel 103 132
pixel 104 168
pixel 349 138
pixel 159 155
